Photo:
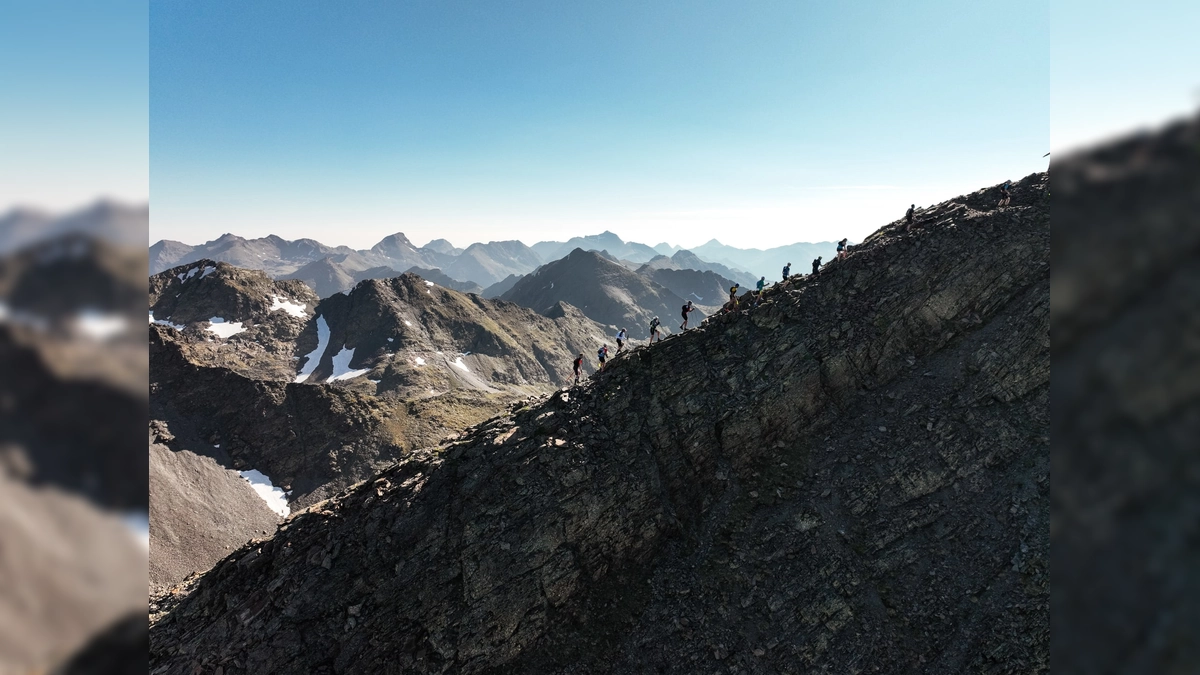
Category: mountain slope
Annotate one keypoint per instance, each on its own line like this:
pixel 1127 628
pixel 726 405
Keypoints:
pixel 603 290
pixel 485 264
pixel 842 476
pixel 703 288
pixel 441 279
pixel 501 287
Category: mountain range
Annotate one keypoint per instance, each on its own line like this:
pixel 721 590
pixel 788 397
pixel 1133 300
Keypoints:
pixel 111 222
pixel 334 269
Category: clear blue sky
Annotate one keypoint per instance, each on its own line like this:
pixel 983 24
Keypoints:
pixel 757 123
pixel 74 102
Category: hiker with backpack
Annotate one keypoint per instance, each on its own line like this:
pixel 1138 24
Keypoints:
pixel 687 309
pixel 654 330
pixel 816 265
pixel 762 283
pixel 1005 194
pixel 602 355
pixel 908 218
pixel 733 297
pixel 620 340
pixel 841 249
pixel 787 271
pixel 578 367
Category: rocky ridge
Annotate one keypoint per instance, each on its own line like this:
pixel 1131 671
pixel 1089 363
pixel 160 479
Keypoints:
pixel 834 481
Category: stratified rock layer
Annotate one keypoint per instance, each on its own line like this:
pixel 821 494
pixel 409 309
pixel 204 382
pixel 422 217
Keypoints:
pixel 851 476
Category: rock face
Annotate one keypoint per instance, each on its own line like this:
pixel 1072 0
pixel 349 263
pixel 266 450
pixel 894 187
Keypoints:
pixel 602 289
pixel 1125 302
pixel 840 477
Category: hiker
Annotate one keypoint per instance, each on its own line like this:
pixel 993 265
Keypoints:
pixel 908 215
pixel 1005 194
pixel 602 354
pixel 841 249
pixel 787 271
pixel 620 340
pixel 654 330
pixel 733 296
pixel 578 367
pixel 817 265
pixel 687 309
pixel 762 283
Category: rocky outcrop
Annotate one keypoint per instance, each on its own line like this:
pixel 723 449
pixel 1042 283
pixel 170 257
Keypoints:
pixel 835 480
pixel 262 317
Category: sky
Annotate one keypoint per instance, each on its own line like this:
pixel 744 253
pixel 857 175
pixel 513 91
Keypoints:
pixel 755 123
pixel 74 102
pixel 1120 67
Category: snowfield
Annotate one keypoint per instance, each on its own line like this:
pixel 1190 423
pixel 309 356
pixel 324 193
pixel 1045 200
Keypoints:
pixel 341 366
pixel 98 325
pixel 163 322
pixel 314 357
pixel 275 498
pixel 224 329
pixel 295 309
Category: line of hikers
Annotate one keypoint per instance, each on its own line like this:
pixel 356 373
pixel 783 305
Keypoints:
pixel 843 249
pixel 602 354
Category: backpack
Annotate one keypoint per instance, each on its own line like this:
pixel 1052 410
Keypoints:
pixel 653 325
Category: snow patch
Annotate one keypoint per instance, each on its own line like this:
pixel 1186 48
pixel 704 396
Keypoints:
pixel 208 269
pixel 295 309
pixel 406 323
pixel 458 363
pixel 341 366
pixel 98 325
pixel 314 357
pixel 164 322
pixel 373 381
pixel 275 498
pixel 420 361
pixel 224 329
pixel 429 283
